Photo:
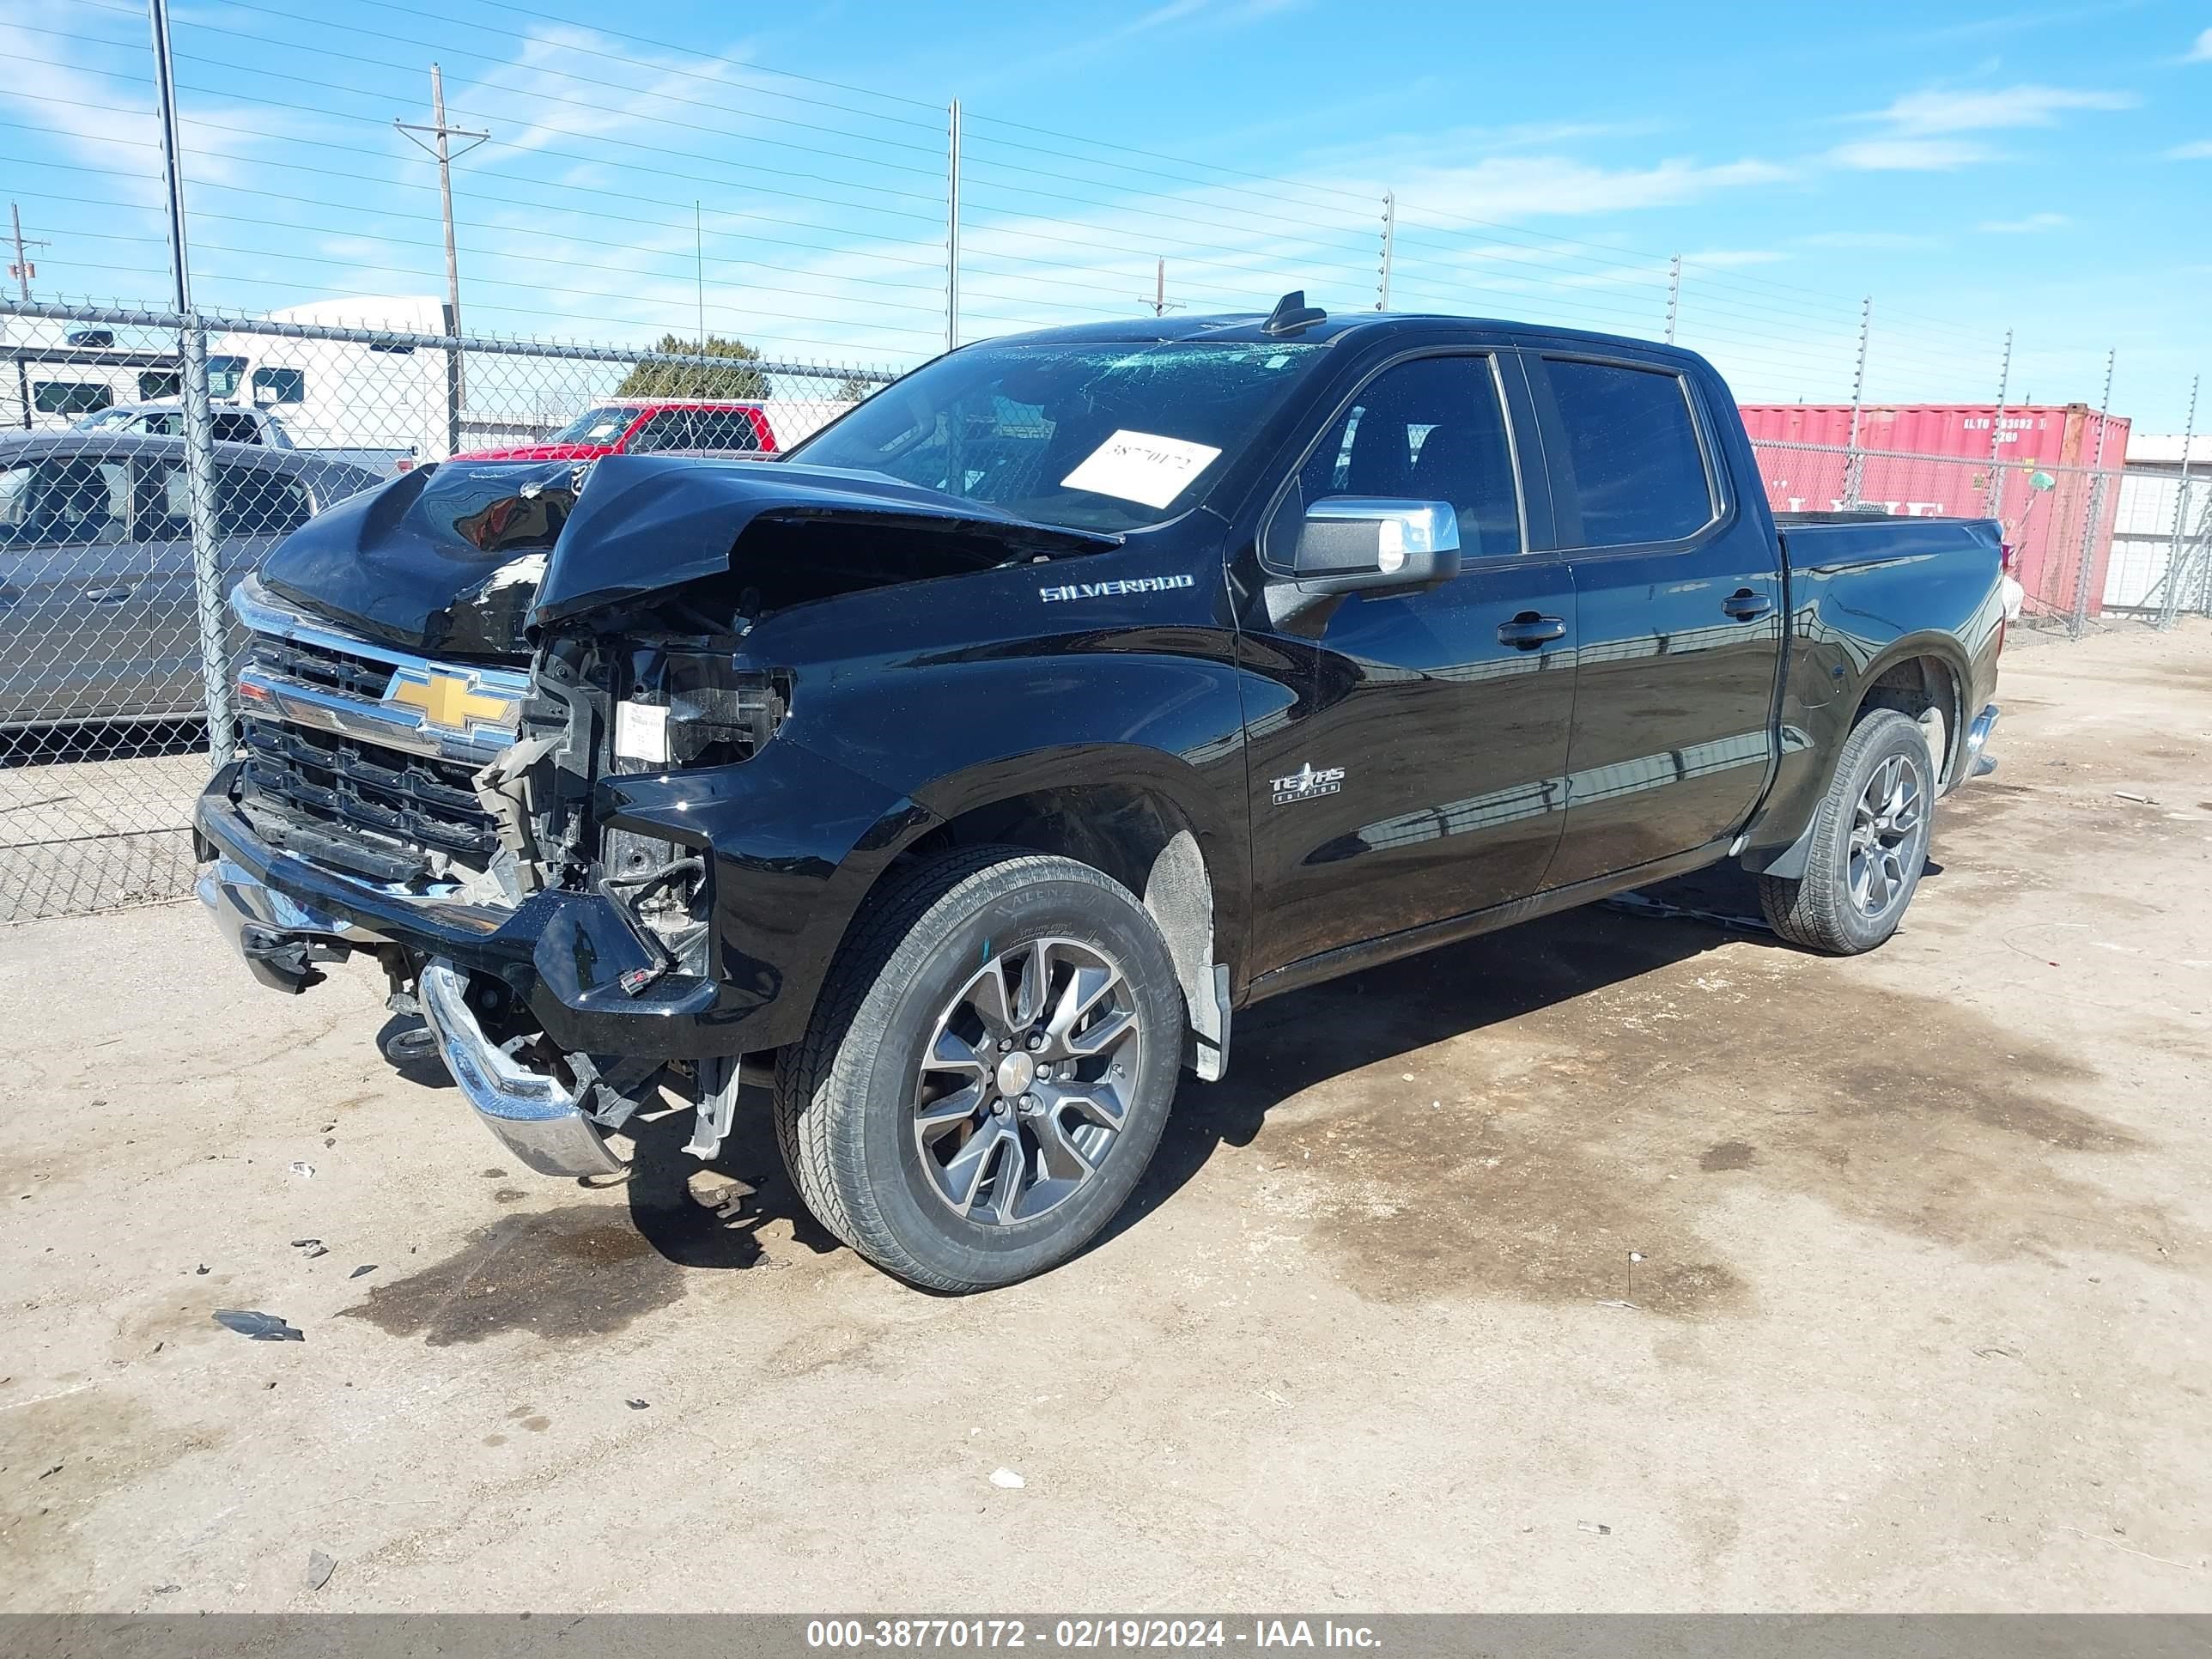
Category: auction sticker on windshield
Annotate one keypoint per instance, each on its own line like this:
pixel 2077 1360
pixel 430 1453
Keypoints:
pixel 1137 466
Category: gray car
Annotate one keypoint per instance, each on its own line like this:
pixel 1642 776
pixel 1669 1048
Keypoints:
pixel 97 616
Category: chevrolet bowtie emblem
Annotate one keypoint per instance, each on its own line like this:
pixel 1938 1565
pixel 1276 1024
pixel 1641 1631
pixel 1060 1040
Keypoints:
pixel 449 702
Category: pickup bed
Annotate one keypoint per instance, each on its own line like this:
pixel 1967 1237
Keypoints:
pixel 960 776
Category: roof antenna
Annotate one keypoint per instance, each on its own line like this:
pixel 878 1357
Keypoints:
pixel 1292 314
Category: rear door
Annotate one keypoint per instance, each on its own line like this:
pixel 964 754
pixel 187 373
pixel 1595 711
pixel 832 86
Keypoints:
pixel 255 507
pixel 1413 767
pixel 1678 628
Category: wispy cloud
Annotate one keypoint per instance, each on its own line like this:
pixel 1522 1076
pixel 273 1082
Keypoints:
pixel 1910 154
pixel 2028 226
pixel 2202 51
pixel 2199 151
pixel 1940 110
pixel 1925 132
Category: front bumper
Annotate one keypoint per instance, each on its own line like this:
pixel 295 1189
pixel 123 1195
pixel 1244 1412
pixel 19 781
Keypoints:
pixel 535 1117
pixel 563 954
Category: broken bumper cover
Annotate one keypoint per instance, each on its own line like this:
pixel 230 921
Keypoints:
pixel 563 954
pixel 534 1116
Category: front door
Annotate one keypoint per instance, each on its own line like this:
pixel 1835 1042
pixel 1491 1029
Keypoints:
pixel 1677 617
pixel 65 586
pixel 1406 756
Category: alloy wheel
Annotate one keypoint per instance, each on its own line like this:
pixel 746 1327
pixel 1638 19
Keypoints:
pixel 1026 1082
pixel 1889 833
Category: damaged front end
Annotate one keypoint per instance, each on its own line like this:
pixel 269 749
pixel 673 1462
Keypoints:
pixel 514 738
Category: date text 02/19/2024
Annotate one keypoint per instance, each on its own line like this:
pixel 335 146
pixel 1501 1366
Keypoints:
pixel 1084 1635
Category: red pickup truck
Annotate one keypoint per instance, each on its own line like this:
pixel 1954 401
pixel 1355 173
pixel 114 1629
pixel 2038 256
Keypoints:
pixel 639 426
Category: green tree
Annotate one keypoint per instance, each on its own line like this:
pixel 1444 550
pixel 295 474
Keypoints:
pixel 853 388
pixel 668 379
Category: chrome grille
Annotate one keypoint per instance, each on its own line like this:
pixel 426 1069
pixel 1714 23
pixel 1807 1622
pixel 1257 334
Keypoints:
pixel 340 746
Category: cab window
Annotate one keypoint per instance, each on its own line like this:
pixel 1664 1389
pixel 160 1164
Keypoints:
pixel 1432 429
pixel 67 501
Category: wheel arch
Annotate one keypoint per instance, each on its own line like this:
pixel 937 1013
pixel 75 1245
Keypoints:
pixel 1145 818
pixel 1914 674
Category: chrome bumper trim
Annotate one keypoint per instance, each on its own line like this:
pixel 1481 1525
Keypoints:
pixel 532 1114
pixel 237 900
pixel 1979 762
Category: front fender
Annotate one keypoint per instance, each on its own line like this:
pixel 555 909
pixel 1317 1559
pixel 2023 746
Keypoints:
pixel 794 841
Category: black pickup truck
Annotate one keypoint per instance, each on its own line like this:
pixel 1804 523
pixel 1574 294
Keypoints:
pixel 961 774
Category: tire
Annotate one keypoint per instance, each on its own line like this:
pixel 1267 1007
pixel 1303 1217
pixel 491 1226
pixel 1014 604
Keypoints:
pixel 1862 873
pixel 885 1152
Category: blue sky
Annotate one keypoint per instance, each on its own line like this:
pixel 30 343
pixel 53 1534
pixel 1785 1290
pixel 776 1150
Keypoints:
pixel 1973 167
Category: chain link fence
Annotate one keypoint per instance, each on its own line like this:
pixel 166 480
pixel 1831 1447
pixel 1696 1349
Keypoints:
pixel 149 460
pixel 2057 520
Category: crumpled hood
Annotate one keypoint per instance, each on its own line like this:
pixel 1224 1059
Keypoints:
pixel 464 558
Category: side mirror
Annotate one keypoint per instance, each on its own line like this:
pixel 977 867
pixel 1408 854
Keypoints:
pixel 1360 544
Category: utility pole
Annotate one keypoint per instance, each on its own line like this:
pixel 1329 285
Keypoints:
pixel 1389 248
pixel 699 270
pixel 952 229
pixel 441 134
pixel 1159 302
pixel 22 270
pixel 1674 295
pixel 208 601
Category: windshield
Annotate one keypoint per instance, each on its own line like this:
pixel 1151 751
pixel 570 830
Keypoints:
pixel 1106 437
pixel 594 426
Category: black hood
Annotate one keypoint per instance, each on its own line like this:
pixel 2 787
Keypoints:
pixel 465 558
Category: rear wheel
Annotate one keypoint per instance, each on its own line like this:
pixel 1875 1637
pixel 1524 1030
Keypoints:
pixel 988 1071
pixel 1869 842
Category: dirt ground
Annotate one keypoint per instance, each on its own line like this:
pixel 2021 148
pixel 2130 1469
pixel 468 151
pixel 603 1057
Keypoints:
pixel 1609 1262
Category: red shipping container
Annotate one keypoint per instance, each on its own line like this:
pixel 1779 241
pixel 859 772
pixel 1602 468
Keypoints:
pixel 1929 459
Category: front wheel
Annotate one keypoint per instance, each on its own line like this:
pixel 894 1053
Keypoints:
pixel 1869 842
pixel 987 1070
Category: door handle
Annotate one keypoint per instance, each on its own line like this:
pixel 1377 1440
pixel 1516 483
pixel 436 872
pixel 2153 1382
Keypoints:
pixel 1744 605
pixel 114 595
pixel 1528 631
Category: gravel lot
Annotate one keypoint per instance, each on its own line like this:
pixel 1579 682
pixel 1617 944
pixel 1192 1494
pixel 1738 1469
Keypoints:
pixel 1920 1322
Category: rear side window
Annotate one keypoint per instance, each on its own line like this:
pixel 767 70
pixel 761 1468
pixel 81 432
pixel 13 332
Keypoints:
pixel 236 429
pixel 251 502
pixel 723 429
pixel 1632 466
